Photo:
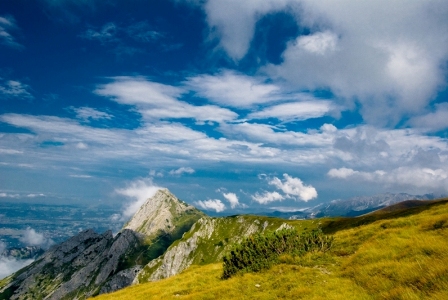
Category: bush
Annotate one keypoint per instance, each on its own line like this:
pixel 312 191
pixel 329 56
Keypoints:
pixel 261 251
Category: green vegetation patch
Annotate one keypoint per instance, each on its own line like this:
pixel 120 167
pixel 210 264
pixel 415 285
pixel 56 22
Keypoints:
pixel 261 251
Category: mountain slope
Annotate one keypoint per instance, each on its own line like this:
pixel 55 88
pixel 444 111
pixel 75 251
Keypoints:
pixel 90 263
pixel 208 240
pixel 399 255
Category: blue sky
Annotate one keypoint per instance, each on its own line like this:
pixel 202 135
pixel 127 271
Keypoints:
pixel 235 106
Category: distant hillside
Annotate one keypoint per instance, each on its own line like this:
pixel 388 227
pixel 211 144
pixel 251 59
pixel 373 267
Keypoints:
pixel 395 253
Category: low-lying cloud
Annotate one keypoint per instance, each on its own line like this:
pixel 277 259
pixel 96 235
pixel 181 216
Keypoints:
pixel 139 191
pixel 33 238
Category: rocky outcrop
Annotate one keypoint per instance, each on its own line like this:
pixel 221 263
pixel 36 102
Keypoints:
pixel 163 213
pixel 76 268
pixel 206 242
pixel 120 280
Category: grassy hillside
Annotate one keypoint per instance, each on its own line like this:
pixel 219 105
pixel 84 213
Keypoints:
pixel 399 253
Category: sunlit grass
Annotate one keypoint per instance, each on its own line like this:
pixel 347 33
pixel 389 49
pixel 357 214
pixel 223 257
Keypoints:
pixel 392 258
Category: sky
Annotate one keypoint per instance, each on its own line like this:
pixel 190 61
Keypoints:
pixel 234 106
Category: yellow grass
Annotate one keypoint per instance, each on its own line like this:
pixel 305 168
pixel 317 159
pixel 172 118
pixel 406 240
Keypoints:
pixel 402 258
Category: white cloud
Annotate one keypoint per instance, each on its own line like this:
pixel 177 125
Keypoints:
pixel 427 179
pixel 6 195
pixel 388 55
pixel 232 89
pixel 82 146
pixel 33 238
pixel 8 24
pixel 88 113
pixel 10 265
pixel 341 173
pixel 294 111
pixel 233 22
pixel 80 176
pixel 159 101
pixel 294 187
pixel 182 170
pixel 267 197
pixel 15 89
pixel 10 151
pixel 232 198
pixel 215 205
pixel 318 43
pixel 139 191
pixel 35 195
pixel 271 134
pixel 433 121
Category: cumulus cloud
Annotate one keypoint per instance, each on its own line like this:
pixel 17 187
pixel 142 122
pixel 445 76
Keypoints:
pixel 215 205
pixel 267 197
pixel 295 187
pixel 7 25
pixel 139 191
pixel 390 57
pixel 390 65
pixel 232 198
pixel 182 170
pixel 33 238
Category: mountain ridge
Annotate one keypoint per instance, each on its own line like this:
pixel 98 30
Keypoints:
pixel 90 263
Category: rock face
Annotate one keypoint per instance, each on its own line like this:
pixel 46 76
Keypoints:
pixel 164 213
pixel 73 269
pixel 91 263
pixel 206 242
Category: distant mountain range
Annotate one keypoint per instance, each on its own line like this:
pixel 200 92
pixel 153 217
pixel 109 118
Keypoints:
pixel 352 207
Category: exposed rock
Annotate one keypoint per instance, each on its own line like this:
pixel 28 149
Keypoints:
pixel 206 242
pixel 161 213
pixel 120 280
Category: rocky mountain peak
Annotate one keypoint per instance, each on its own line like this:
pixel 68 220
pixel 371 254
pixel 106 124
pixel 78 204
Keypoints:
pixel 162 213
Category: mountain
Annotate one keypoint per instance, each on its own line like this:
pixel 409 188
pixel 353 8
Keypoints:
pixel 205 243
pixel 357 206
pixel 394 253
pixel 91 263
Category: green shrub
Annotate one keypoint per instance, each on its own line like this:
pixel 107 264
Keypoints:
pixel 261 251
